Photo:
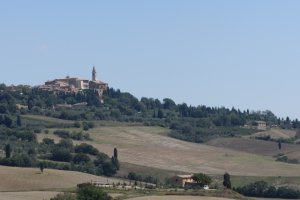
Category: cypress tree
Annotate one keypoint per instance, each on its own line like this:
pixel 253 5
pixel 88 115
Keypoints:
pixel 226 181
pixel 7 151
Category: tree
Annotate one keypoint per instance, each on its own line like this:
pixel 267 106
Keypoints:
pixel 279 144
pixel 226 181
pixel 115 160
pixel 64 196
pixel 7 121
pixel 7 151
pixel 86 191
pixel 42 167
pixel 202 179
pixel 116 153
pixel 160 114
pixel 81 158
pixel 19 122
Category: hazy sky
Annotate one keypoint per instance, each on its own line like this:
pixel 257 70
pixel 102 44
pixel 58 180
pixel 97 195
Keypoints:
pixel 239 53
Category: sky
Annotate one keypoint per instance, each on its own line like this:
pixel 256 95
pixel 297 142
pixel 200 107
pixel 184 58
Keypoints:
pixel 233 53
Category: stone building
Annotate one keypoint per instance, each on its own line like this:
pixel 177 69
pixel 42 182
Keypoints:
pixel 182 180
pixel 74 84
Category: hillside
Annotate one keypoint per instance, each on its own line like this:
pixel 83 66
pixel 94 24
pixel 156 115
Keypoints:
pixel 150 146
pixel 258 147
pixel 30 179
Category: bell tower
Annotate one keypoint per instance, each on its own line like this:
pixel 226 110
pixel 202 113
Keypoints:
pixel 94 74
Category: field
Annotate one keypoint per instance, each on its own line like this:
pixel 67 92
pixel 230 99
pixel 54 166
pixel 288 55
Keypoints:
pixel 258 147
pixel 30 179
pixel 149 146
pixel 32 195
pixel 171 197
pixel 276 133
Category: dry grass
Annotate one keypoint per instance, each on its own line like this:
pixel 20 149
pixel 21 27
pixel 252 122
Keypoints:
pixel 32 195
pixel 30 179
pixel 177 198
pixel 259 147
pixel 276 133
pixel 148 146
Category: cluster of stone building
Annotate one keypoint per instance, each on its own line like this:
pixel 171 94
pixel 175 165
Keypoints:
pixel 74 84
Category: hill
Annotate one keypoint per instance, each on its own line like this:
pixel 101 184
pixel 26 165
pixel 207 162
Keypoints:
pixel 150 146
pixel 30 179
pixel 258 147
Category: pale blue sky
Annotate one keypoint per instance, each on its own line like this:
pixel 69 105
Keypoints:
pixel 240 53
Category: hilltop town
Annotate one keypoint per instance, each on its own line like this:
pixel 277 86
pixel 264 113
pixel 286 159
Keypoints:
pixel 75 84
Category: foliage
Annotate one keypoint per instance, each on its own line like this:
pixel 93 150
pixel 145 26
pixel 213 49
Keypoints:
pixel 202 179
pixel 284 158
pixel 72 135
pixel 81 158
pixel 86 191
pixel 87 149
pixel 7 151
pixel 64 196
pixel 139 177
pixel 261 189
pixel 61 154
pixel 226 181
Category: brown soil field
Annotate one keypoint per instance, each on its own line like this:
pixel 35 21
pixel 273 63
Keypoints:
pixel 259 147
pixel 30 179
pixel 32 195
pixel 149 146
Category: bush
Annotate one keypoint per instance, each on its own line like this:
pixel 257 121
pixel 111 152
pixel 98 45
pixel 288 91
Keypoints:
pixel 261 189
pixel 48 141
pixel 86 191
pixel 61 154
pixel 87 149
pixel 64 196
pixel 81 158
pixel 62 133
pixel 77 124
pixel 19 160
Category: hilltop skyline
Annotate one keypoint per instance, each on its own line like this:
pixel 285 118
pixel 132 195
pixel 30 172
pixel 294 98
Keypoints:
pixel 214 53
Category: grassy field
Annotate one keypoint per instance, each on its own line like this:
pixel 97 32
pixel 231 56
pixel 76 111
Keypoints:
pixel 172 197
pixel 148 146
pixel 276 133
pixel 32 195
pixel 30 179
pixel 258 147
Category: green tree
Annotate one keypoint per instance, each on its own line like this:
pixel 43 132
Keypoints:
pixel 19 122
pixel 7 151
pixel 279 144
pixel 86 191
pixel 226 181
pixel 42 167
pixel 64 196
pixel 116 153
pixel 160 114
pixel 115 160
pixel 202 179
pixel 7 121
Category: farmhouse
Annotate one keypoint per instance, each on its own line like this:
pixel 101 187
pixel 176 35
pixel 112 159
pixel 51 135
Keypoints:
pixel 182 180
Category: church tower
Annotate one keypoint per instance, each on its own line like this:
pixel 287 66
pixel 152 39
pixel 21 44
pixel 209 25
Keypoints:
pixel 94 74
